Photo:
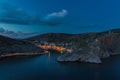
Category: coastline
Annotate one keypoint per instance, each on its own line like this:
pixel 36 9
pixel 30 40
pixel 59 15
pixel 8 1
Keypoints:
pixel 22 54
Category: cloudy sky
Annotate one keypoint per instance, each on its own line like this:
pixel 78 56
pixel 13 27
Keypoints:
pixel 73 16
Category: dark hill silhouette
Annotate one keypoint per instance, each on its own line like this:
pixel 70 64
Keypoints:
pixel 8 45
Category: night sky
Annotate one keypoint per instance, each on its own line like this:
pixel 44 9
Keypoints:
pixel 67 16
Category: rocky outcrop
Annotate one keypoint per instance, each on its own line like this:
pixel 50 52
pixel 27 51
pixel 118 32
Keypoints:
pixel 79 56
pixel 102 47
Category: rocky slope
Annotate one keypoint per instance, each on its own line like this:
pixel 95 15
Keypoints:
pixel 103 46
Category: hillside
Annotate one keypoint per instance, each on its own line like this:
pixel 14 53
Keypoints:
pixel 8 45
pixel 88 47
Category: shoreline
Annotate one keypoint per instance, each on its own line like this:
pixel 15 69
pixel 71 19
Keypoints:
pixel 22 54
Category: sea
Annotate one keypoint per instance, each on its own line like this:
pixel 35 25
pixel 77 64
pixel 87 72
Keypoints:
pixel 46 67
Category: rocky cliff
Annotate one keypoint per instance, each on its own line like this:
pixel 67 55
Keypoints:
pixel 103 46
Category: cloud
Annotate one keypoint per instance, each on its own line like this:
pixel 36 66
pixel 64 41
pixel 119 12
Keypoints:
pixel 14 15
pixel 61 14
pixel 55 18
pixel 16 35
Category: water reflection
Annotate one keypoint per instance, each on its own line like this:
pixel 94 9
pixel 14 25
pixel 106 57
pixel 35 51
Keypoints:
pixel 42 68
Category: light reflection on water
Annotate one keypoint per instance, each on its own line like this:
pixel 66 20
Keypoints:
pixel 42 68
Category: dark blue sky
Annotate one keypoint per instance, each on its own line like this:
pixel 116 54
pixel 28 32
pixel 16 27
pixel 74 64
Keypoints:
pixel 104 14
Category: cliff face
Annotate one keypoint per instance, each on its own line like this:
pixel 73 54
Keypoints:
pixel 102 47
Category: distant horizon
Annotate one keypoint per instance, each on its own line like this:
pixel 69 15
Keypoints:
pixel 59 16
pixel 22 35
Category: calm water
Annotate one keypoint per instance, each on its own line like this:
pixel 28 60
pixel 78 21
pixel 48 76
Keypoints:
pixel 43 68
